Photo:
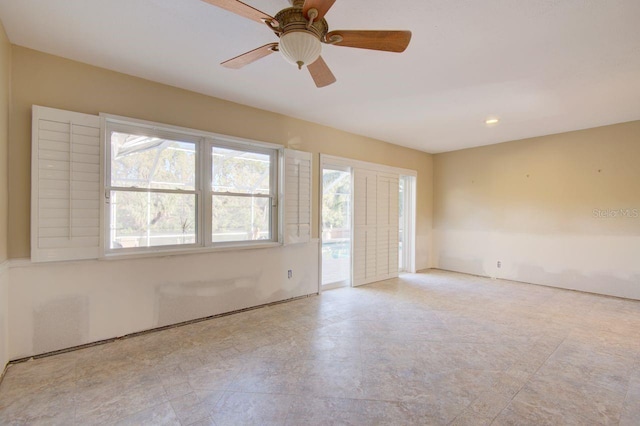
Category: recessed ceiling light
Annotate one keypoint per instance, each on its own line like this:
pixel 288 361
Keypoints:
pixel 491 121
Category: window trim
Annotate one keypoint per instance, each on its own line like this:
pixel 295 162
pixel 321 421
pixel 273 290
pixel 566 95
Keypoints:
pixel 204 142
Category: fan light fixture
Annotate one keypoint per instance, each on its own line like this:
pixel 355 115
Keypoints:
pixel 300 47
pixel 301 29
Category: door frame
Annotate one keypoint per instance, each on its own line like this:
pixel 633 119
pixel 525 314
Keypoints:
pixel 349 163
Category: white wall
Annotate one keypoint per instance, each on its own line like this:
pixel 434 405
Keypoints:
pixel 4 314
pixel 596 264
pixel 60 305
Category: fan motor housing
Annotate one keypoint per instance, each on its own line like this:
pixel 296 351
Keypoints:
pixel 292 19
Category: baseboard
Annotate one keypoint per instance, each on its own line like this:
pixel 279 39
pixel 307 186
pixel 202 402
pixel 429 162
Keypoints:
pixel 151 330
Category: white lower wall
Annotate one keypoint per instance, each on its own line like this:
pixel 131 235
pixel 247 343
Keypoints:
pixel 4 314
pixel 592 263
pixel 60 305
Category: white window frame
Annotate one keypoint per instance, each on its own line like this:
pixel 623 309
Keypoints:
pixel 159 133
pixel 204 142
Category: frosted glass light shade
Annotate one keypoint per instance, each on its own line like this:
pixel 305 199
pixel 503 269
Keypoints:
pixel 300 47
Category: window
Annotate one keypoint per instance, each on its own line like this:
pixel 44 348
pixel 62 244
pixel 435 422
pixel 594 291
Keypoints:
pixel 173 190
pixel 152 190
pixel 242 194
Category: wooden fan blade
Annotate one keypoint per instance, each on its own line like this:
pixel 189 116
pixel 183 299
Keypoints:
pixel 322 6
pixel 241 9
pixel 389 41
pixel 249 57
pixel 321 73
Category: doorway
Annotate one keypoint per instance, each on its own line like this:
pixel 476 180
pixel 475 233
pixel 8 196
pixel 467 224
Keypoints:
pixel 401 225
pixel 406 224
pixel 336 226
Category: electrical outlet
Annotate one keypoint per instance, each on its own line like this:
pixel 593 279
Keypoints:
pixel 499 264
pixel 289 273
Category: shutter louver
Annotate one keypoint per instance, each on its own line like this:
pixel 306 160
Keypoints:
pixel 365 232
pixel 65 185
pixel 387 214
pixel 297 196
pixel 375 244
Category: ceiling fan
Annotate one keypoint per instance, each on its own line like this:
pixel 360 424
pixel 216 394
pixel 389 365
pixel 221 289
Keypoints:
pixel 301 29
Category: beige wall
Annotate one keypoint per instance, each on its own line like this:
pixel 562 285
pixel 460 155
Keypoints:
pixel 5 89
pixel 52 81
pixel 5 94
pixel 57 305
pixel 534 206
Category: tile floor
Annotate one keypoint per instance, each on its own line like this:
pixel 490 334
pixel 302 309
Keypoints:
pixel 432 348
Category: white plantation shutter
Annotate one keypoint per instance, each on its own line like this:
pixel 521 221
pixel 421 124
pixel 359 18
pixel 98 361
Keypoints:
pixel 297 196
pixel 387 224
pixel 375 237
pixel 65 185
pixel 364 226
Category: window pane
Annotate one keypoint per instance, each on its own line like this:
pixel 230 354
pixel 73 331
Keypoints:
pixel 149 162
pixel 145 219
pixel 336 199
pixel 240 171
pixel 240 218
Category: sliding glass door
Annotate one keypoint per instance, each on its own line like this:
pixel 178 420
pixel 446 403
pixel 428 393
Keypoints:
pixel 336 227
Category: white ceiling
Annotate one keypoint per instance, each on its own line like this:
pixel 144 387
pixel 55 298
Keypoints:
pixel 541 66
